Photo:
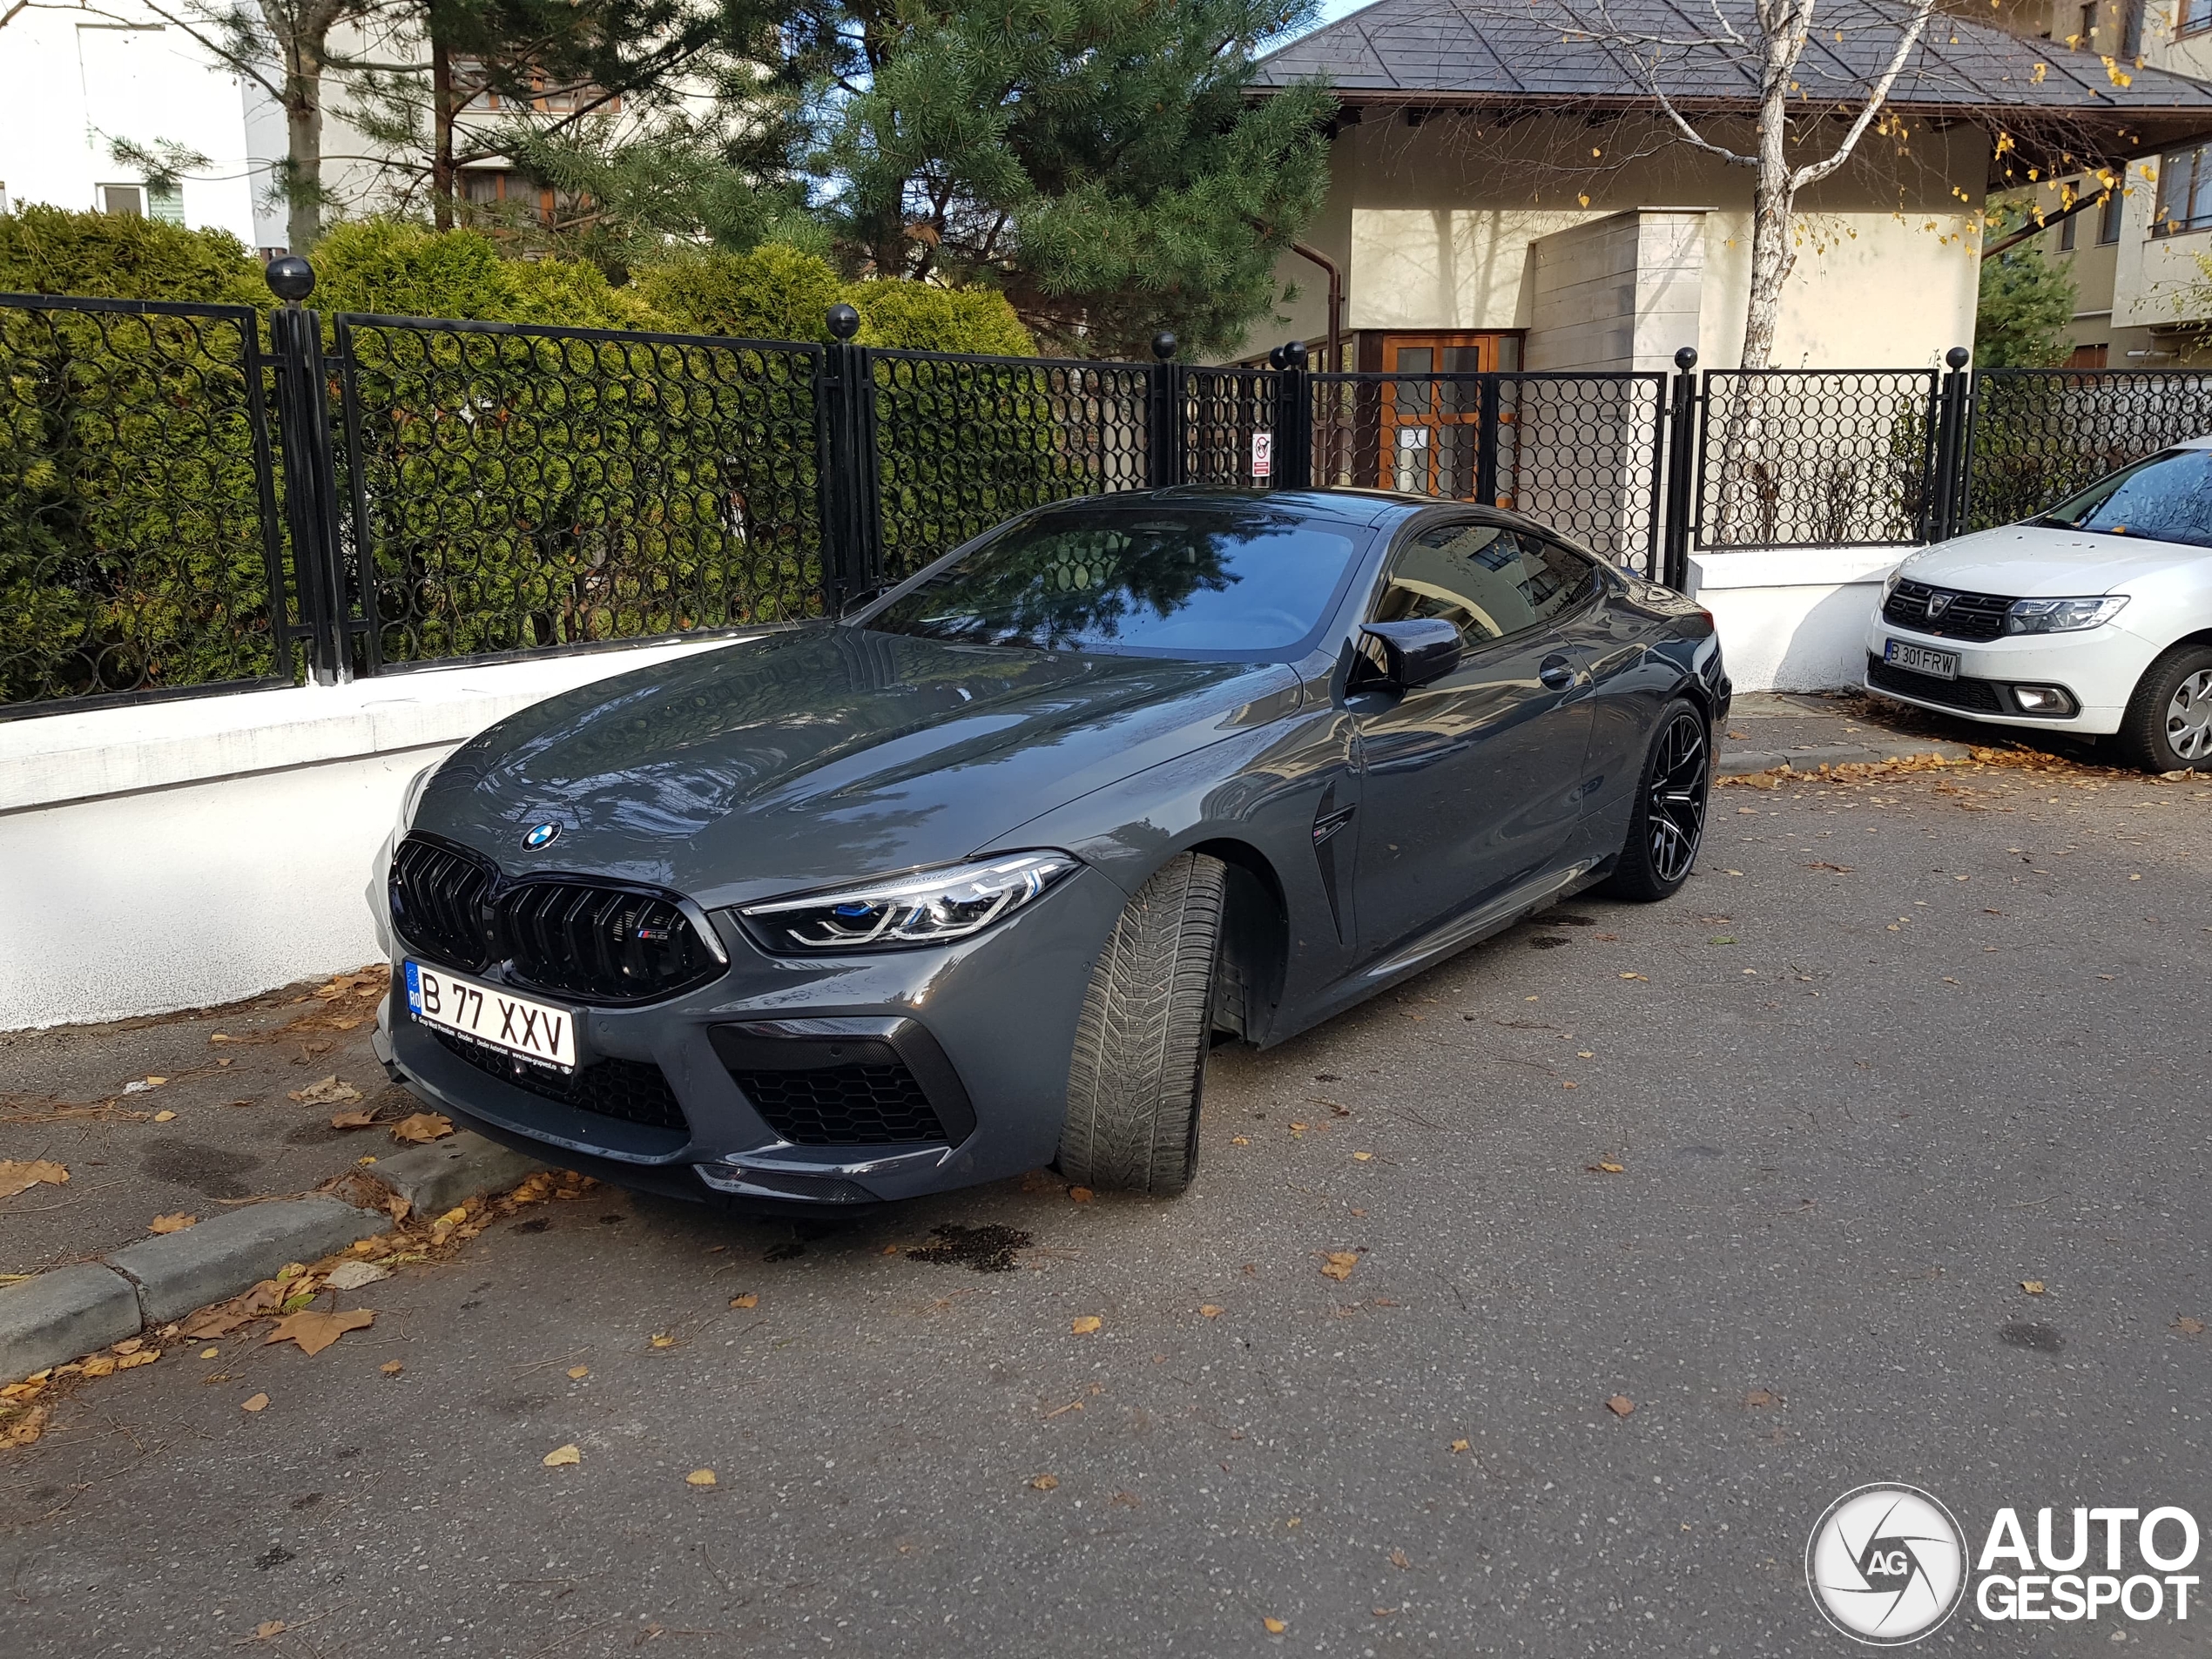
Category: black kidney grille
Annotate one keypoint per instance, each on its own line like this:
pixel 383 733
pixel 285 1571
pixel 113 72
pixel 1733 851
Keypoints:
pixel 1971 616
pixel 637 1091
pixel 582 939
pixel 605 943
pixel 437 895
pixel 843 1105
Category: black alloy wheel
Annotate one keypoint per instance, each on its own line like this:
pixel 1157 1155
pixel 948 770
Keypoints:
pixel 1675 808
pixel 1667 824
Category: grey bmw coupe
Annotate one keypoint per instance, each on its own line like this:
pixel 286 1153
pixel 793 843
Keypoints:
pixel 970 880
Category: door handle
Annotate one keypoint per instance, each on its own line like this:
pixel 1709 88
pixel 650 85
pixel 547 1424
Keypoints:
pixel 1556 671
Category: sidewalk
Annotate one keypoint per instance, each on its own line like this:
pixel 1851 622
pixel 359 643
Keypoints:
pixel 1805 730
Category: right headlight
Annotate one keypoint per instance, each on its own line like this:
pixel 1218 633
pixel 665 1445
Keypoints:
pixel 926 907
pixel 2061 616
pixel 411 798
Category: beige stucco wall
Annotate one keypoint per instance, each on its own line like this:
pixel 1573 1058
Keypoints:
pixel 1434 223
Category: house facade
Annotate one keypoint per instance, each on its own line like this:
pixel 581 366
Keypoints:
pixel 2142 297
pixel 1505 193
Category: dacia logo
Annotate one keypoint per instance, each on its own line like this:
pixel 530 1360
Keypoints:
pixel 541 836
pixel 1940 602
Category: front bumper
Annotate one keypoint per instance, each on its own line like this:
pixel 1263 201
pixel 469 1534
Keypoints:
pixel 2097 667
pixel 985 1027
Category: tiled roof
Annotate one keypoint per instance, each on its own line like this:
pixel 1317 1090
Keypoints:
pixel 1516 51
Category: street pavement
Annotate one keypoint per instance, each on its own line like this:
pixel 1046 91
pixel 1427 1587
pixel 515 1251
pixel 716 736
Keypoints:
pixel 1767 1165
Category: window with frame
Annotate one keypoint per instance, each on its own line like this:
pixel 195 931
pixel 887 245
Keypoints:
pixel 2184 191
pixel 2192 17
pixel 1489 580
pixel 2108 217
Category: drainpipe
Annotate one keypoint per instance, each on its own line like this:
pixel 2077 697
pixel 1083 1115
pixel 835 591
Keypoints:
pixel 1336 302
pixel 2131 40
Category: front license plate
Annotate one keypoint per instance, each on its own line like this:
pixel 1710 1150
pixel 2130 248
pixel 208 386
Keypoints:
pixel 496 1018
pixel 1943 665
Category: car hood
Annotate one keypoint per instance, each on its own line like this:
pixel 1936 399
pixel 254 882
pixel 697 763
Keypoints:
pixel 825 754
pixel 2037 562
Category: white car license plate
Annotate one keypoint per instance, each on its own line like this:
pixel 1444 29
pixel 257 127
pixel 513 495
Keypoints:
pixel 1943 665
pixel 496 1018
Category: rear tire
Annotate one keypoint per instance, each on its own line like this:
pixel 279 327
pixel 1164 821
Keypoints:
pixel 1667 824
pixel 1139 1066
pixel 2168 724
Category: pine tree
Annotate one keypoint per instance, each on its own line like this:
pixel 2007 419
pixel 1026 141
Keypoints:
pixel 2025 311
pixel 1098 159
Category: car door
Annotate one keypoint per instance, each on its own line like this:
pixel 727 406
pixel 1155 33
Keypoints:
pixel 1469 783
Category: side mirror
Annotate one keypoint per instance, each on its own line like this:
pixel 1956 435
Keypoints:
pixel 1414 653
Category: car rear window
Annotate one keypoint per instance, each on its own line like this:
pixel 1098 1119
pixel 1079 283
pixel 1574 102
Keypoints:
pixel 1247 581
pixel 2166 498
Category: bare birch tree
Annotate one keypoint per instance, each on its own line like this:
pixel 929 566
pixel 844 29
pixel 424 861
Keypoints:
pixel 1665 61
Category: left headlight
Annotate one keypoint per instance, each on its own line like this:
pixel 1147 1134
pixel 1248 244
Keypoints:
pixel 928 908
pixel 2061 616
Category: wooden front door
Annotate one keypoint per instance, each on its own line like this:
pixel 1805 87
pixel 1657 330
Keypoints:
pixel 1430 428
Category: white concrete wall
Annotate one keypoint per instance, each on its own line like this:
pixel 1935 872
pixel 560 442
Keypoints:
pixel 72 80
pixel 1793 618
pixel 1621 293
pixel 181 854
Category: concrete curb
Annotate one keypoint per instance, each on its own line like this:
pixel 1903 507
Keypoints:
pixel 437 1176
pixel 1741 762
pixel 68 1312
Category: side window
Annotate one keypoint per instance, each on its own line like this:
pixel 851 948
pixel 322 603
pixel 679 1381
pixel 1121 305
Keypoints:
pixel 1491 580
pixel 1559 578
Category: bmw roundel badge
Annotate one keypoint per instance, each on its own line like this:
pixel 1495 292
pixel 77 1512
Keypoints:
pixel 541 836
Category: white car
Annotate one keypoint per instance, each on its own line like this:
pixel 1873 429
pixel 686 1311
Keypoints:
pixel 2094 619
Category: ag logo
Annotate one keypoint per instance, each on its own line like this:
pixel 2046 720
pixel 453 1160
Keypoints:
pixel 1886 1564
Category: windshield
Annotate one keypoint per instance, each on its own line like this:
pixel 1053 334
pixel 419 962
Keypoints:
pixel 2166 498
pixel 1240 581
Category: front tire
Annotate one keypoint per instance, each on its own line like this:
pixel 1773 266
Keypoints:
pixel 1667 824
pixel 1139 1065
pixel 2168 724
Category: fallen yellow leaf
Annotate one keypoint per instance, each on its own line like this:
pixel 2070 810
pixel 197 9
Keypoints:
pixel 164 1116
pixel 268 1627
pixel 1606 1168
pixel 144 1357
pixel 258 1402
pixel 1339 1264
pixel 1460 1446
pixel 2189 1327
pixel 20 1176
pixel 452 1217
pixel 175 1224
pixel 1086 1324
pixel 1210 1312
pixel 562 1457
pixel 662 1339
pixel 1275 1627
pixel 577 1373
pixel 1081 1195
pixel 210 1353
pixel 1619 1405
pixel 750 1299
pixel 102 1365
pixel 326 1091
pixel 355 1119
pixel 314 1331
pixel 1632 977
pixel 2032 1287
pixel 1362 1157
pixel 419 1127
pixel 1044 1482
pixel 391 1367
pixel 699 1478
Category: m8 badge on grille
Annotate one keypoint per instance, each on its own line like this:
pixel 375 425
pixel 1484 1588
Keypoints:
pixel 495 1018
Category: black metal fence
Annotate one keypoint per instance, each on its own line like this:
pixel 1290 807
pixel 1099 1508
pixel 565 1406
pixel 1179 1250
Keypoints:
pixel 202 498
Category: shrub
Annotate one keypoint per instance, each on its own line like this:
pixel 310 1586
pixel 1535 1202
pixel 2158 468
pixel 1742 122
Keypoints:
pixel 50 250
pixel 773 293
pixel 914 316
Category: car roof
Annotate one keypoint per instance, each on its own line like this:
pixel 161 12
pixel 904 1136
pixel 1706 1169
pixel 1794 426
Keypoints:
pixel 1367 507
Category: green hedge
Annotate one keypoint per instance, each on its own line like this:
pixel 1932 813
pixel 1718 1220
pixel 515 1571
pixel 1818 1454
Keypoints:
pixel 522 491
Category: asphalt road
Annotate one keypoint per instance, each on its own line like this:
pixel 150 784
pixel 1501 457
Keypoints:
pixel 1942 1034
